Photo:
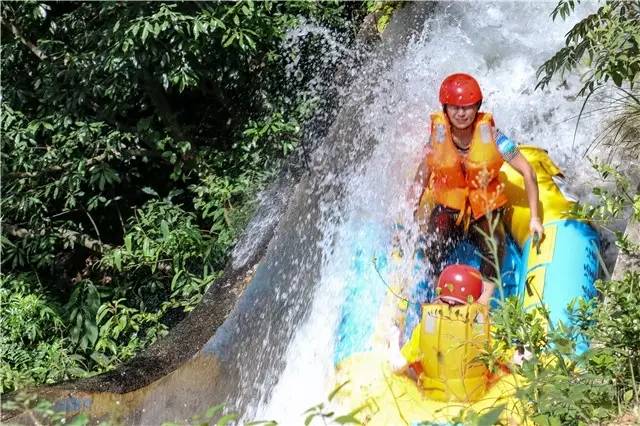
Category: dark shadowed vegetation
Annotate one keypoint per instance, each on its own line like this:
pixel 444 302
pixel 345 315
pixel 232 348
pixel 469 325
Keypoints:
pixel 135 136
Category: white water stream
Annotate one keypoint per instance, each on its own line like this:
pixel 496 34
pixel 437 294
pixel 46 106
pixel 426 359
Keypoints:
pixel 502 44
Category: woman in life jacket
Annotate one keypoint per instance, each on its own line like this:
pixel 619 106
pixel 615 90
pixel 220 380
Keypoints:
pixel 460 174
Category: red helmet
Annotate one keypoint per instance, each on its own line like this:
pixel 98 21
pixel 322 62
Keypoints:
pixel 460 90
pixel 458 282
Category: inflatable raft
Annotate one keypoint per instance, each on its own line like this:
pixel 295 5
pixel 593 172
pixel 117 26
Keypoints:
pixel 562 267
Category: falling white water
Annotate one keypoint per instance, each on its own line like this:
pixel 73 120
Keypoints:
pixel 502 44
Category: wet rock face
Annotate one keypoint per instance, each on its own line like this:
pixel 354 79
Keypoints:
pixel 626 262
pixel 272 204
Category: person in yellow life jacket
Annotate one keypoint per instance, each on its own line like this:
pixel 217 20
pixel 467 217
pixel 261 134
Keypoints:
pixel 442 352
pixel 460 174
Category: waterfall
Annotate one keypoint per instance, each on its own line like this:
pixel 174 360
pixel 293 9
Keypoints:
pixel 277 347
pixel 501 44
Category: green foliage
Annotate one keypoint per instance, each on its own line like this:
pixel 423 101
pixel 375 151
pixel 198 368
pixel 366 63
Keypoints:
pixel 613 325
pixel 606 46
pixel 559 386
pixel 618 200
pixel 607 42
pixel 42 411
pixel 621 133
pixel 564 388
pixel 124 331
pixel 33 346
pixel 82 309
pixel 168 257
pixel 170 262
pixel 225 202
pixel 134 137
pixel 383 10
pixel 324 412
pixel 488 417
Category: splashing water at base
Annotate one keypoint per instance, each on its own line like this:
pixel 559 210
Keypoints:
pixel 502 44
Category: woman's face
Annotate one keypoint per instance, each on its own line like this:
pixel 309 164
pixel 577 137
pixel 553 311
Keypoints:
pixel 462 117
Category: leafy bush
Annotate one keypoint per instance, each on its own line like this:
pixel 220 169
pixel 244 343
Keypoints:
pixel 561 387
pixel 603 381
pixel 607 42
pixel 613 327
pixel 33 345
pixel 558 386
pixel 134 138
pixel 615 199
pixel 382 10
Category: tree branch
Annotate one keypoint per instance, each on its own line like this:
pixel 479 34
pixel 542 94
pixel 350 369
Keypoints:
pixel 73 237
pixel 67 165
pixel 32 47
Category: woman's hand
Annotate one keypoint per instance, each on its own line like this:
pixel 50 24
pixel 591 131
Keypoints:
pixel 487 292
pixel 531 188
pixel 536 229
pixel 417 188
pixel 395 359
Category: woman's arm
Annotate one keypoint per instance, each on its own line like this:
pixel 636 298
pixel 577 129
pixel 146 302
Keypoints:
pixel 419 184
pixel 523 167
pixel 487 292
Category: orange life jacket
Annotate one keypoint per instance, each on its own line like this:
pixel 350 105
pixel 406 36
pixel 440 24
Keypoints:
pixel 465 182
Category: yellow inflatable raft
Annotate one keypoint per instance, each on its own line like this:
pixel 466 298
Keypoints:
pixel 447 345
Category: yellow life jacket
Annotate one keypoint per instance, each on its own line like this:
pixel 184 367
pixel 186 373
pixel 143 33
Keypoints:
pixel 446 344
pixel 469 181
